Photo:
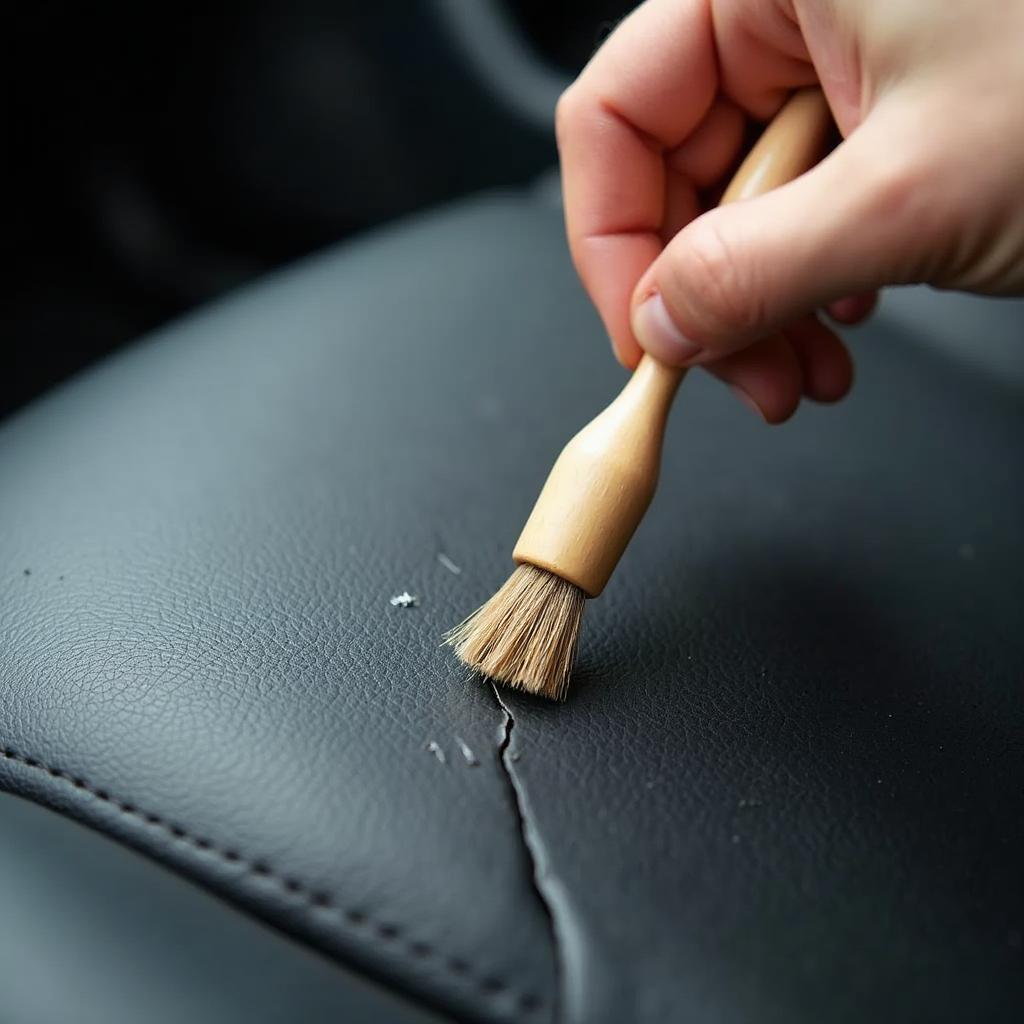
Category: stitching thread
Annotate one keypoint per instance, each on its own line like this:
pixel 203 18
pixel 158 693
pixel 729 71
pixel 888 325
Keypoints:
pixel 315 900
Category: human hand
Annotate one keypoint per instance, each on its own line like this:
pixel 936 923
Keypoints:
pixel 926 185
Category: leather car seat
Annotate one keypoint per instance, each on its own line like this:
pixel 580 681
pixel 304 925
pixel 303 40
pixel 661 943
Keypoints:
pixel 786 786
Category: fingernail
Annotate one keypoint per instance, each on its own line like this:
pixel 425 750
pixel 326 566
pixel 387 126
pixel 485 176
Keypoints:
pixel 747 401
pixel 658 334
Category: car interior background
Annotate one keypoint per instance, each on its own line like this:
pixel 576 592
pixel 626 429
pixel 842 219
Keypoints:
pixel 164 157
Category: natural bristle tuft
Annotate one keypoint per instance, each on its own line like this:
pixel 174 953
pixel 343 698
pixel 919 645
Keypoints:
pixel 525 636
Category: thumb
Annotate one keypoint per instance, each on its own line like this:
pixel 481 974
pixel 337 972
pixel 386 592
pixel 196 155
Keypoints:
pixel 866 216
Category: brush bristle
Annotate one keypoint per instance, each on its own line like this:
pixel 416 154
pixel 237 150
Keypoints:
pixel 525 636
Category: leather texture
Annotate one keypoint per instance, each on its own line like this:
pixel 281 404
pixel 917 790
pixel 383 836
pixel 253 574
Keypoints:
pixel 786 786
pixel 94 933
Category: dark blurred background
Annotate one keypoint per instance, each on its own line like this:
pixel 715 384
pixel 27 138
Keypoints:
pixel 161 153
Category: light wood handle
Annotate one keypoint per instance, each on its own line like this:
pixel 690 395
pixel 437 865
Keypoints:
pixel 604 479
pixel 790 145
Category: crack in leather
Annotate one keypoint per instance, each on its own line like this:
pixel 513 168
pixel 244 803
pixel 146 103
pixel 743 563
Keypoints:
pixel 317 901
pixel 526 828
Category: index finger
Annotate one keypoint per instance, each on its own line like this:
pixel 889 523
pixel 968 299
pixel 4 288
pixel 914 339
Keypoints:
pixel 642 94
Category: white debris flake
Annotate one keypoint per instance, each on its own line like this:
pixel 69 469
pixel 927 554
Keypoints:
pixel 448 564
pixel 467 752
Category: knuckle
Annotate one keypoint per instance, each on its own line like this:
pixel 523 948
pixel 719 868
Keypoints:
pixel 713 284
pixel 921 207
pixel 900 186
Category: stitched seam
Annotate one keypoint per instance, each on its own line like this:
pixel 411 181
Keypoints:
pixel 314 899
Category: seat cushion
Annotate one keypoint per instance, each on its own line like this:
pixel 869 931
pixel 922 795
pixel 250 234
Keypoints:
pixel 94 933
pixel 786 786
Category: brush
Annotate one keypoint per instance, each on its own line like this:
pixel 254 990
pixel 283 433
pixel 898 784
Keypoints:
pixel 602 483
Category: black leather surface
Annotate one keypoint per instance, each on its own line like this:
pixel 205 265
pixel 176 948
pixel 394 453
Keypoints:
pixel 96 934
pixel 787 784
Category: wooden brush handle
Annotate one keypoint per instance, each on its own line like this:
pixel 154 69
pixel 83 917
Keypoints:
pixel 603 481
pixel 791 144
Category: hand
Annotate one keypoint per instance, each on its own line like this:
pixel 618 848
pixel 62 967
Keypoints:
pixel 926 186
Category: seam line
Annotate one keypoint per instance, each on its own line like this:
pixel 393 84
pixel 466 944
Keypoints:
pixel 318 900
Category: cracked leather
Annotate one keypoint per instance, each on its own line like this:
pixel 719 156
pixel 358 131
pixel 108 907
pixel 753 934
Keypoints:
pixel 786 786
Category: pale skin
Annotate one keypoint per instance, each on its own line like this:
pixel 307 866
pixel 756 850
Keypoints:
pixel 926 186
